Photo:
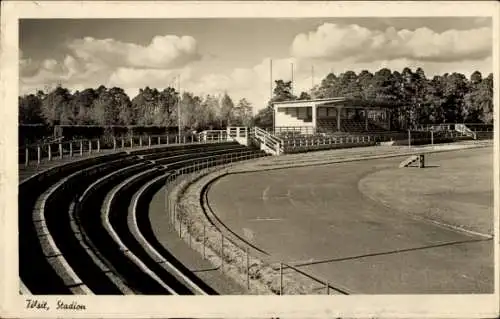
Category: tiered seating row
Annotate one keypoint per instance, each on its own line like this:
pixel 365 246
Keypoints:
pixel 84 236
pixel 327 125
pixel 313 143
pixel 294 143
pixel 42 278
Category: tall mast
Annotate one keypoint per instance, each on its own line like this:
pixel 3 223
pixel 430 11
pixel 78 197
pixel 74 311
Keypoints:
pixel 179 108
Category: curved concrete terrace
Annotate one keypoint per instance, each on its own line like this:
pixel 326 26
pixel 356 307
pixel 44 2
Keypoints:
pixel 69 185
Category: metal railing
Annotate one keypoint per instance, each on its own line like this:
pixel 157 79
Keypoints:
pixel 213 136
pixel 35 154
pixel 231 133
pixel 463 129
pixel 328 140
pixel 301 143
pixel 307 130
pixel 469 129
pixel 268 141
pixel 480 127
pixel 223 249
pixel 434 127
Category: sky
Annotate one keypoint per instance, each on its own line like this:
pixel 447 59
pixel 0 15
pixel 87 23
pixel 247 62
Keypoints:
pixel 213 56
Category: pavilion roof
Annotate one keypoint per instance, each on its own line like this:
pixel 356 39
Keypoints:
pixel 351 102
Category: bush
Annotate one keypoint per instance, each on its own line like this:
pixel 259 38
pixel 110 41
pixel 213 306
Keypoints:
pixel 33 133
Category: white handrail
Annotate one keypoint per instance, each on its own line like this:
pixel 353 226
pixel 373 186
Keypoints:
pixel 269 140
pixel 462 128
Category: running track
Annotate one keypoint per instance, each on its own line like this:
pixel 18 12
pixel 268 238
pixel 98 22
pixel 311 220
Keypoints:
pixel 317 218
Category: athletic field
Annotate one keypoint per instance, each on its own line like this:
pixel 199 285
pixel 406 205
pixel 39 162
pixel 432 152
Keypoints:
pixel 369 226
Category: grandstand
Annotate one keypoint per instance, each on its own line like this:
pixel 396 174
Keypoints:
pixel 71 227
pixel 331 115
pixel 318 124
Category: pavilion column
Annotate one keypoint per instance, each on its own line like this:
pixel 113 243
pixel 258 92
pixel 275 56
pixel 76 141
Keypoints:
pixel 314 118
pixel 275 116
pixel 339 114
pixel 366 119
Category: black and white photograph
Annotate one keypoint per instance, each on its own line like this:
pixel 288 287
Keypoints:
pixel 177 151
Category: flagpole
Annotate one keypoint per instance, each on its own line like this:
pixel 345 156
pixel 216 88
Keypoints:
pixel 271 88
pixel 312 77
pixel 179 108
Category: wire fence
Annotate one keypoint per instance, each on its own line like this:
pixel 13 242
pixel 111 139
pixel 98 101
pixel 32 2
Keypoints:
pixel 228 252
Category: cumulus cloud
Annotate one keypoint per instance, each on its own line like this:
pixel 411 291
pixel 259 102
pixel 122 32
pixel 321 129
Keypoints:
pixel 135 77
pixel 92 62
pixel 167 51
pixel 253 83
pixel 337 42
pixel 70 71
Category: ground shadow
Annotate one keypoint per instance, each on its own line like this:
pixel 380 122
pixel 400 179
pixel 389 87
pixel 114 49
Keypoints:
pixel 426 166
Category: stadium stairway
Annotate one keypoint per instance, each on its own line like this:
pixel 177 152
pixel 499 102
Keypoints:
pixel 79 226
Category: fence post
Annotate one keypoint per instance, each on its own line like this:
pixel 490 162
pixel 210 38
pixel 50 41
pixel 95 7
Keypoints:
pixel 174 212
pixel 204 236
pixel 81 148
pixel 281 278
pixel 114 143
pixel 409 139
pixel 149 141
pixel 50 153
pixel 123 143
pixel 140 141
pixel 131 142
pixel 60 151
pixel 180 225
pixel 248 269
pixel 432 138
pixel 71 149
pixel 38 154
pixel 98 145
pixel 222 251
pixel 90 147
pixel 26 156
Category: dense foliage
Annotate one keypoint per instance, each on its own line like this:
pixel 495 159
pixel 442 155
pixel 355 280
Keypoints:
pixel 450 98
pixel 112 106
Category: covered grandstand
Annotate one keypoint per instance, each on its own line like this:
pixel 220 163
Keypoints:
pixel 331 115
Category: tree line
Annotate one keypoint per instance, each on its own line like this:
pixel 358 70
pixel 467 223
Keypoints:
pixel 447 98
pixel 112 106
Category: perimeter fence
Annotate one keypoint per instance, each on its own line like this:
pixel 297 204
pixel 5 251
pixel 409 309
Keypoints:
pixel 227 251
pixel 35 154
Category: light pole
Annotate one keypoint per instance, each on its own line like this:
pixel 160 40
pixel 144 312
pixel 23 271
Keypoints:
pixel 179 109
pixel 271 89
